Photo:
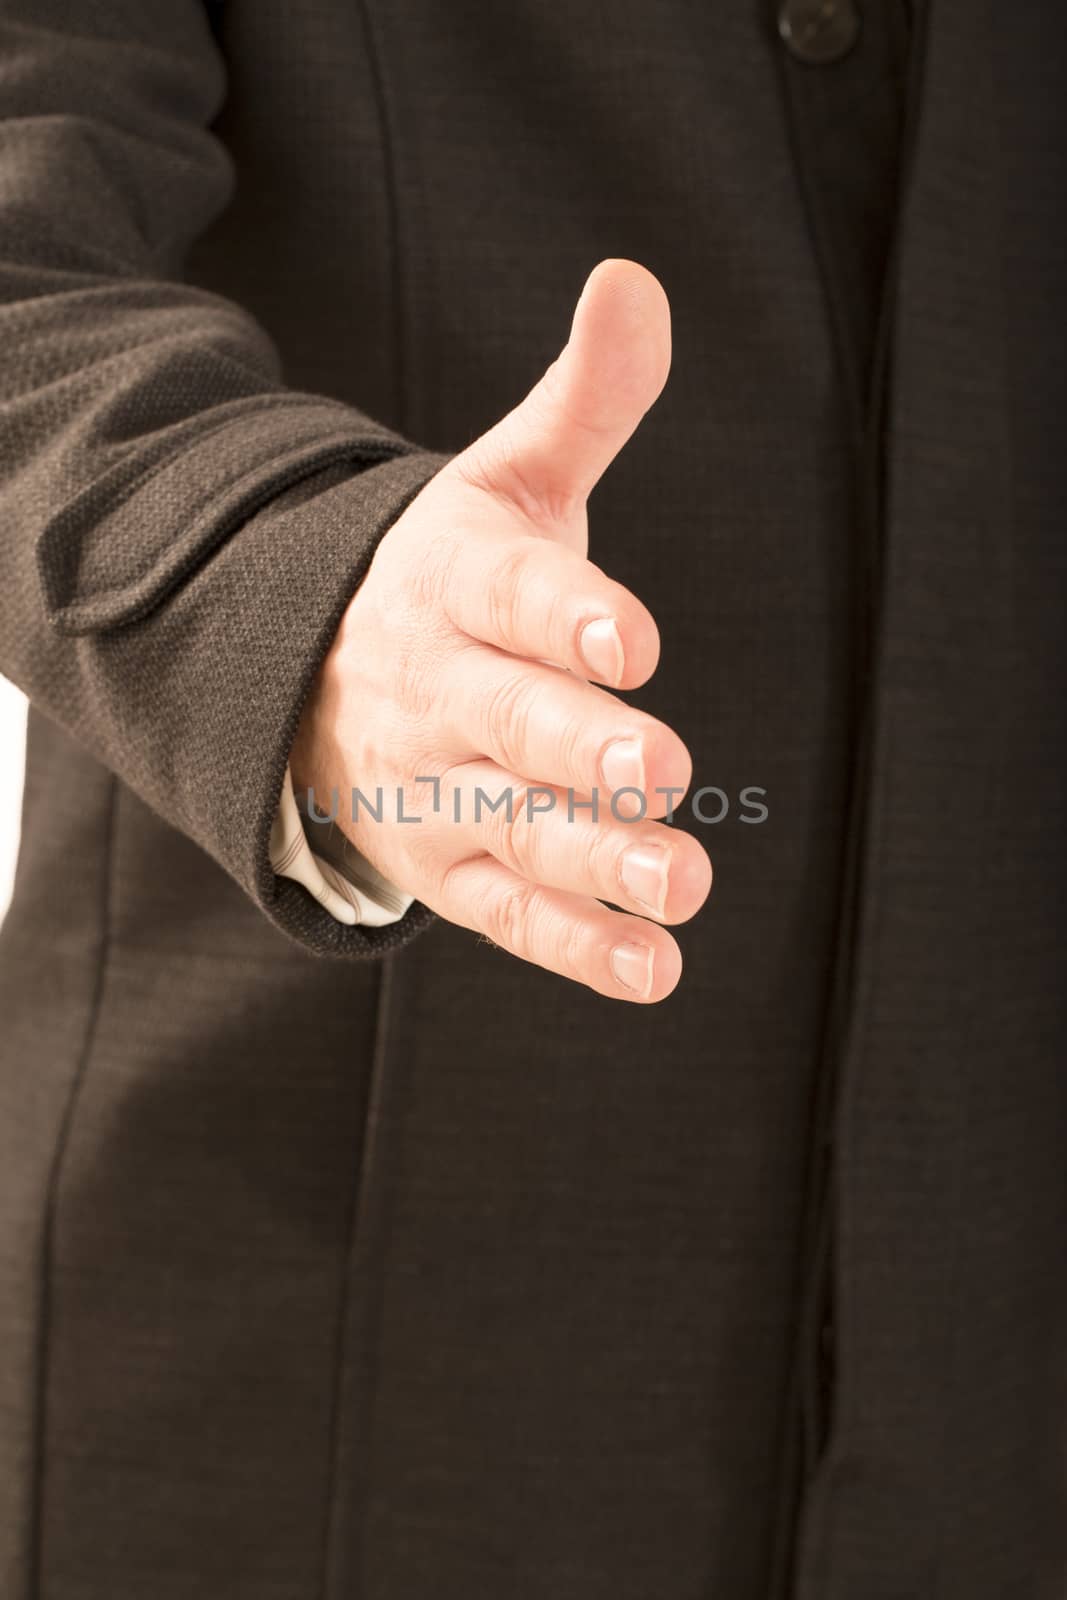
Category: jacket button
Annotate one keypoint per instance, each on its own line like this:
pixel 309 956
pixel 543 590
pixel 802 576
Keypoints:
pixel 818 31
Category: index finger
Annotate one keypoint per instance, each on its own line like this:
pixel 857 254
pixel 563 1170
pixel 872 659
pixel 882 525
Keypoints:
pixel 533 597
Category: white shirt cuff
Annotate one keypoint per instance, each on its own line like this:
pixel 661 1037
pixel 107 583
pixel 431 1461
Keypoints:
pixel 341 880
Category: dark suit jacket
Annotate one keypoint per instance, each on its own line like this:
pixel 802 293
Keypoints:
pixel 429 1276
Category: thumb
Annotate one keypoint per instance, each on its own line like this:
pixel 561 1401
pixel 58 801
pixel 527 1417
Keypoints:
pixel 556 443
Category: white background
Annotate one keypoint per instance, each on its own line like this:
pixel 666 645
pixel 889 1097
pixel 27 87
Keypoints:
pixel 12 749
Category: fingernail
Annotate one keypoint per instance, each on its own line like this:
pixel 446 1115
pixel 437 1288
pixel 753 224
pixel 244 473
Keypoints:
pixel 622 766
pixel 601 649
pixel 632 966
pixel 644 871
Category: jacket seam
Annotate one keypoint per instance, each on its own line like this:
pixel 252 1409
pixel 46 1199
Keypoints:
pixel 59 1153
pixel 359 1213
pixel 394 273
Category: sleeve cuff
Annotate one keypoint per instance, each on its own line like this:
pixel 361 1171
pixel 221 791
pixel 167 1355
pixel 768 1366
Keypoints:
pixel 200 613
pixel 343 881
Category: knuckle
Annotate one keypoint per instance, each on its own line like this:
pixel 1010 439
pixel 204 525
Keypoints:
pixel 603 861
pixel 507 716
pixel 422 848
pixel 557 624
pixel 507 915
pixel 573 945
pixel 572 748
pixel 504 590
pixel 446 877
pixel 512 838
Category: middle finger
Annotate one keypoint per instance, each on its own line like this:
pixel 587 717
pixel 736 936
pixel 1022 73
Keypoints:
pixel 553 727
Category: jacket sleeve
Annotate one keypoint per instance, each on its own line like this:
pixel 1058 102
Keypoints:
pixel 181 532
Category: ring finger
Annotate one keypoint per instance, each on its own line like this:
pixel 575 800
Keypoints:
pixel 549 837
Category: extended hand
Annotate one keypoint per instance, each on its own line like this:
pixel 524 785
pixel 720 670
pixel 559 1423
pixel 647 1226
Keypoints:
pixel 442 670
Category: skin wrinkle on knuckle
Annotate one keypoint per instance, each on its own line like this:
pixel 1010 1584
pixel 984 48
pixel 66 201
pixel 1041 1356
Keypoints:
pixel 605 853
pixel 507 916
pixel 449 882
pixel 558 627
pixel 517 843
pixel 424 853
pixel 506 716
pixel 574 753
pixel 503 590
pixel 572 939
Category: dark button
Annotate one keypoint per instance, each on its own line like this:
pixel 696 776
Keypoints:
pixel 818 31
